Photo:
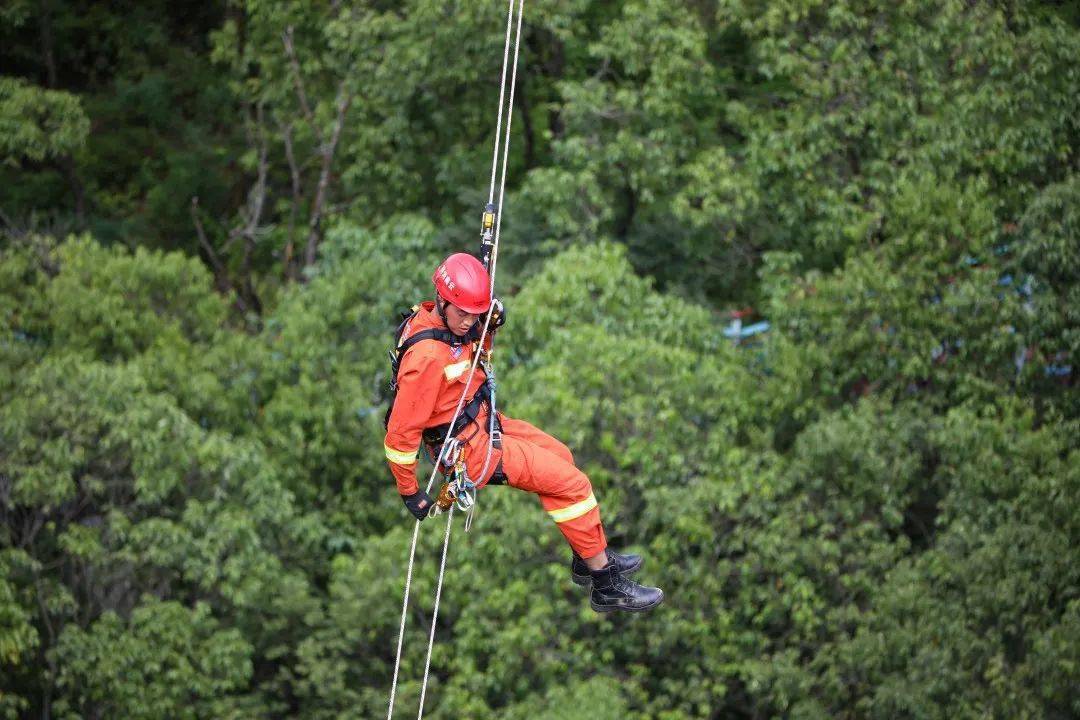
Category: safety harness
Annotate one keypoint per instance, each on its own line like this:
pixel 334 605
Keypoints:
pixel 434 436
pixel 402 345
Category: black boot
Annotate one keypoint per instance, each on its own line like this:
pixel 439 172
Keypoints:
pixel 612 591
pixel 626 564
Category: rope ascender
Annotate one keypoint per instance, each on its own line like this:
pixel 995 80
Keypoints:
pixel 460 492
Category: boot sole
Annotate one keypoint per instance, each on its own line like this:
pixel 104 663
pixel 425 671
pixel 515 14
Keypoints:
pixel 586 580
pixel 614 608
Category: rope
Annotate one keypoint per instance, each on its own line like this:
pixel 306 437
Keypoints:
pixel 472 372
pixel 498 217
pixel 502 91
pixel 404 609
pixel 435 612
pixel 506 151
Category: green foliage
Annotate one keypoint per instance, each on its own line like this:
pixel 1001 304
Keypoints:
pixel 868 512
pixel 322 414
pixel 875 89
pixel 166 660
pixel 110 481
pixel 116 306
pixel 924 311
pixel 964 629
pixel 1050 231
pixel 632 120
pixel 36 124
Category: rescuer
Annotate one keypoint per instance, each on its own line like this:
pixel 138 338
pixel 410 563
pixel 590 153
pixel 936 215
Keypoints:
pixel 431 373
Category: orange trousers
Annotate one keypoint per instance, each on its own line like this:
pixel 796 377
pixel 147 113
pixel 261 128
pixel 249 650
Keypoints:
pixel 536 462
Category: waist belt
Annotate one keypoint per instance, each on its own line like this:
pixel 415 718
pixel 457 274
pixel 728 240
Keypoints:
pixel 469 413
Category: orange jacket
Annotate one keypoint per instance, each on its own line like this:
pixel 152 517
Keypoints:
pixel 431 377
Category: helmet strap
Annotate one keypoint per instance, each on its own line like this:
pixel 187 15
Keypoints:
pixel 440 307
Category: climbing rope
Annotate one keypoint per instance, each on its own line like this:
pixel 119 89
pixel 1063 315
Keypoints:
pixel 404 608
pixel 492 414
pixel 435 611
pixel 472 369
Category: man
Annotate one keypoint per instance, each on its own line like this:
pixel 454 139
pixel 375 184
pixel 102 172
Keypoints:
pixel 431 376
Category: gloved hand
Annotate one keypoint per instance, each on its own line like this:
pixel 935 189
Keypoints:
pixel 498 314
pixel 498 317
pixel 419 504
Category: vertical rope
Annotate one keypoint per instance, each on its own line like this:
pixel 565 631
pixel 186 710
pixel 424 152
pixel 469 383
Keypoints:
pixel 498 216
pixel 435 611
pixel 404 609
pixel 502 92
pixel 506 150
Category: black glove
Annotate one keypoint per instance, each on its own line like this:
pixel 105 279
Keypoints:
pixel 498 314
pixel 419 504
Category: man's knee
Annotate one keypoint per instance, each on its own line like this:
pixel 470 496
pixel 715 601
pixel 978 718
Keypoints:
pixel 564 452
pixel 577 484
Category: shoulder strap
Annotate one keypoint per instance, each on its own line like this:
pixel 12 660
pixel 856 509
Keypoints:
pixel 403 345
pixel 430 334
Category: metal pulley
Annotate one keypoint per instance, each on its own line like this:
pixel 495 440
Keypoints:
pixel 494 431
pixel 487 233
pixel 459 490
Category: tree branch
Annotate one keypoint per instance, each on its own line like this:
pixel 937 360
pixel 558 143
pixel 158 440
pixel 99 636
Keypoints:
pixel 298 81
pixel 344 99
pixel 47 45
pixel 294 170
pixel 297 198
pixel 257 194
pixel 50 662
pixel 220 271
pixel 65 162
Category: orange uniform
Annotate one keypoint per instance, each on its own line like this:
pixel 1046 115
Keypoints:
pixel 431 378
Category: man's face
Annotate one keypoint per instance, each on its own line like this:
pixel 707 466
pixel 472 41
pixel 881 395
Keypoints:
pixel 458 320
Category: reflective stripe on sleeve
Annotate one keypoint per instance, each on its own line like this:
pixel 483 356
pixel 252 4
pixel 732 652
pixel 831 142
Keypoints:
pixel 398 457
pixel 573 511
pixel 453 372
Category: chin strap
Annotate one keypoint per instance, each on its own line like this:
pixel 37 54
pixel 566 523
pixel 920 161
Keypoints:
pixel 440 308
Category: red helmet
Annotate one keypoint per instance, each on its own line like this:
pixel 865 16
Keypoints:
pixel 463 281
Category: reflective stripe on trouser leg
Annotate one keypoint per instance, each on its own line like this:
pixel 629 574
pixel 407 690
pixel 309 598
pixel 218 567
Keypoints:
pixel 585 534
pixel 564 491
pixel 570 512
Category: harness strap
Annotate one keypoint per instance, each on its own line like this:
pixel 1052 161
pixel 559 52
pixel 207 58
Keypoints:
pixel 403 346
pixel 469 413
pixel 499 476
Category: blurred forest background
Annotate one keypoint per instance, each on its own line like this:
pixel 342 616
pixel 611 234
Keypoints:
pixel 211 214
